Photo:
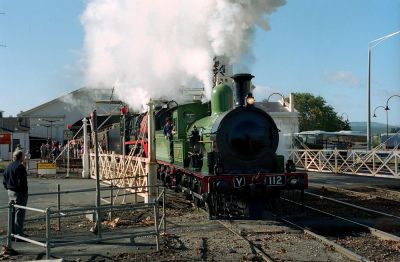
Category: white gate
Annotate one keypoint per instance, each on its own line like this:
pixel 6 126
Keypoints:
pixel 121 171
pixel 380 163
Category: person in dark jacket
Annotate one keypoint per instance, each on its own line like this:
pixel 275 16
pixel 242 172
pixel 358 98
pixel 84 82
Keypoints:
pixel 16 183
pixel 169 131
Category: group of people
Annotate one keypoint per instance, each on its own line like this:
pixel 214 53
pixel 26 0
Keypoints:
pixel 51 150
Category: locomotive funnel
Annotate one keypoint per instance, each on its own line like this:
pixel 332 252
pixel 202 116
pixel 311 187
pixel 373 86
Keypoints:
pixel 243 87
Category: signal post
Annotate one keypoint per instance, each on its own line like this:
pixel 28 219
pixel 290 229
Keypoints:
pixel 151 164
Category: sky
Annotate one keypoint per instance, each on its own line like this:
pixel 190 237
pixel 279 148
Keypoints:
pixel 315 46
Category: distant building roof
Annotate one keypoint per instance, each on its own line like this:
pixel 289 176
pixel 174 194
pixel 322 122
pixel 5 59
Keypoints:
pixel 13 124
pixel 71 97
pixel 272 107
pixel 343 132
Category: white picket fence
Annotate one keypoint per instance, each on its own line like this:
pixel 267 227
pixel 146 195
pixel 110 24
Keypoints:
pixel 123 171
pixel 379 163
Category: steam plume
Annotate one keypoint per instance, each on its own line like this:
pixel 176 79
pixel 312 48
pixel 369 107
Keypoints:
pixel 153 48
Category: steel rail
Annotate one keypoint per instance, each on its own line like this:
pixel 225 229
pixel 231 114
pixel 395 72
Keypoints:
pixel 342 250
pixel 352 205
pixel 376 232
pixel 260 252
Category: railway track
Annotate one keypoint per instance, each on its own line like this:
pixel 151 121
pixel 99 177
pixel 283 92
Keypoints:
pixel 367 192
pixel 389 194
pixel 269 239
pixel 377 244
pixel 338 239
pixel 288 242
pixel 361 207
pixel 252 245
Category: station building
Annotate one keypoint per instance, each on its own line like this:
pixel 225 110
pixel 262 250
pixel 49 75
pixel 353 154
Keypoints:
pixel 50 121
pixel 14 132
pixel 286 119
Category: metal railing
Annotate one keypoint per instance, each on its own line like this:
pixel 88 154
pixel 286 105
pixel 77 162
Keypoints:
pixel 379 163
pixel 50 242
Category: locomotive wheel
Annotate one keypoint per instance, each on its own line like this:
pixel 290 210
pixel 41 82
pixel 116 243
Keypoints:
pixel 210 205
pixel 209 209
pixel 188 196
pixel 162 179
pixel 272 203
pixel 168 181
pixel 178 189
pixel 198 202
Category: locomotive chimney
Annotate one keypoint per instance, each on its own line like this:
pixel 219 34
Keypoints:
pixel 243 87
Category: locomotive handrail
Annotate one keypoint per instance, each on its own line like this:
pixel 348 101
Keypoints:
pixel 202 141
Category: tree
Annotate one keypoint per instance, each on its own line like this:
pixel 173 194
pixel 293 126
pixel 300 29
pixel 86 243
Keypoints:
pixel 394 130
pixel 345 124
pixel 315 114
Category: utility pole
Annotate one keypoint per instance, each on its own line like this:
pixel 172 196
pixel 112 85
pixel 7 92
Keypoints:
pixel 85 157
pixel 371 45
pixel 151 164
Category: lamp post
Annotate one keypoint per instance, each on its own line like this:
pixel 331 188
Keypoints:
pixel 347 116
pixel 387 123
pixel 51 126
pixel 47 128
pixel 347 125
pixel 387 115
pixel 283 98
pixel 371 45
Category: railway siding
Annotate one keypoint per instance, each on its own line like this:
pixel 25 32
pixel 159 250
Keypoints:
pixel 326 218
pixel 281 242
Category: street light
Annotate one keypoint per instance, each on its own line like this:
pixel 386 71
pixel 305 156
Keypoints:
pixel 51 126
pixel 387 123
pixel 387 110
pixel 347 116
pixel 371 45
pixel 283 98
pixel 47 128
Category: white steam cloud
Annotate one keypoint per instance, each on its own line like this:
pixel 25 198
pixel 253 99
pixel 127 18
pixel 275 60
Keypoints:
pixel 154 48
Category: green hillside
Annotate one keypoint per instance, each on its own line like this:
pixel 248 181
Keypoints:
pixel 376 128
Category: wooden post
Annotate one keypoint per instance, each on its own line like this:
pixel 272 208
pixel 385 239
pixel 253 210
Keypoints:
pixel 151 165
pixel 85 156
